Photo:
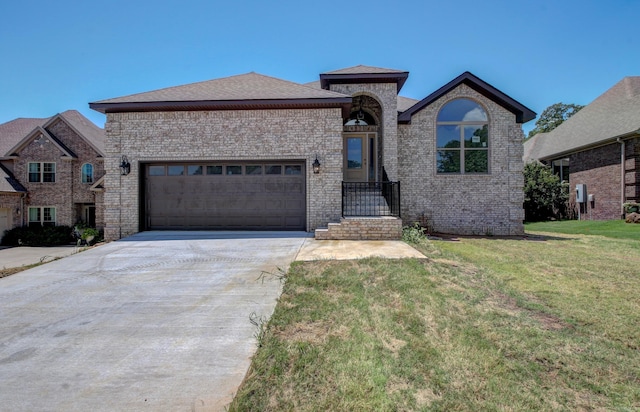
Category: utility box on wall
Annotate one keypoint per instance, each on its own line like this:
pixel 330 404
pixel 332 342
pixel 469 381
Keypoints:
pixel 581 193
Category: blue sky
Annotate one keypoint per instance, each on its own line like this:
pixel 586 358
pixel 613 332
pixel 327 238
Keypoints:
pixel 60 55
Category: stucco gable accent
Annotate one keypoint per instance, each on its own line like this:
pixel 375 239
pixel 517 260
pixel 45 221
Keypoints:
pixel 522 113
pixel 35 134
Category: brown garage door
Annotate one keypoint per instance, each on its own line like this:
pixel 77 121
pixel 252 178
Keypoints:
pixel 225 196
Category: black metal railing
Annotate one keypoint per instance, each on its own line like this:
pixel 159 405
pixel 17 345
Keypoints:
pixel 371 199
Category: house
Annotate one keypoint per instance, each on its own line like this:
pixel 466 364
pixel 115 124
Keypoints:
pixel 344 156
pixel 51 171
pixel 598 147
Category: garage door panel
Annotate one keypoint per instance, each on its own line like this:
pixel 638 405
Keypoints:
pixel 222 201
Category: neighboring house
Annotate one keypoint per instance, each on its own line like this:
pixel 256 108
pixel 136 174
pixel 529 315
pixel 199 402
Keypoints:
pixel 51 172
pixel 598 147
pixel 256 152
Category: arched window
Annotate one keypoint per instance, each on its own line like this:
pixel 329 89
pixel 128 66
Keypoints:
pixel 87 173
pixel 462 138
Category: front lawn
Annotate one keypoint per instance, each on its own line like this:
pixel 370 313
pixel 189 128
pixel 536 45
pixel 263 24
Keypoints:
pixel 482 324
pixel 617 229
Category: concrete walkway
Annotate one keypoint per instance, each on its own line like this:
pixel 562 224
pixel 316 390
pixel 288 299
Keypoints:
pixel 355 249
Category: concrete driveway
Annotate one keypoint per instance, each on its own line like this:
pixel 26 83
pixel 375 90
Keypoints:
pixel 157 321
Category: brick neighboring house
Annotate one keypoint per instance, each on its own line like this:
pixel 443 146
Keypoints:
pixel 256 152
pixel 51 171
pixel 600 147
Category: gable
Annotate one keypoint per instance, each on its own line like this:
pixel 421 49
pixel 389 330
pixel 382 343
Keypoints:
pixel 522 113
pixel 40 136
pixel 13 132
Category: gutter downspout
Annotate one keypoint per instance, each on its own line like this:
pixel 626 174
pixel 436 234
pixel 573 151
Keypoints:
pixel 22 197
pixel 622 176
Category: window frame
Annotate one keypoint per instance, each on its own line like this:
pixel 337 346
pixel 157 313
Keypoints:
pixel 41 172
pixel 462 149
pixel 89 176
pixel 41 221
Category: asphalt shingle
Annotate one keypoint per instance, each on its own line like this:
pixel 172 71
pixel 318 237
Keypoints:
pixel 249 86
pixel 615 113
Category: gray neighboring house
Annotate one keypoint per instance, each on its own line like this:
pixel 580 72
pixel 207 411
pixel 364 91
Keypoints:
pixel 599 147
pixel 345 156
pixel 51 171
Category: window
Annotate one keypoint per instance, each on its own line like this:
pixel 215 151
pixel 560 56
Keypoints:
pixel 175 170
pixel 87 173
pixel 561 169
pixel 42 172
pixel 42 216
pixel 214 170
pixel 462 138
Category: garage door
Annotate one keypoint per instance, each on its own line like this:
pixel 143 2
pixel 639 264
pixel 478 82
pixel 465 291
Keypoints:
pixel 225 196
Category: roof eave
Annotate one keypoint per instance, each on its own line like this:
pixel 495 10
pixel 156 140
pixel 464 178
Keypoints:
pixel 202 105
pixel 605 142
pixel 523 114
pixel 399 78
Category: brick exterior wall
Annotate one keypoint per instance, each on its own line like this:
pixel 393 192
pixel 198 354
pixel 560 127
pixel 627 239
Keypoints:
pixel 599 169
pixel 222 135
pixel 386 94
pixel 12 201
pixel 68 191
pixel 362 228
pixel 463 204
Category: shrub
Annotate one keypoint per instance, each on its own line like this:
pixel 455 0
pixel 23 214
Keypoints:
pixel 414 233
pixel 38 236
pixel 545 196
pixel 631 207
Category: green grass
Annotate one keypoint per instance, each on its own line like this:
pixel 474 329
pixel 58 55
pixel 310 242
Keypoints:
pixel 482 324
pixel 616 229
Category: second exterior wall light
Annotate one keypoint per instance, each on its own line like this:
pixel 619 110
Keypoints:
pixel 316 165
pixel 125 166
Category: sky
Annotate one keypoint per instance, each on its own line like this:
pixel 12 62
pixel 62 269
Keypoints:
pixel 61 55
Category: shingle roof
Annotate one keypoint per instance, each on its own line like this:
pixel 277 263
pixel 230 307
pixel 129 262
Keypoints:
pixel 405 103
pixel 532 147
pixel 8 184
pixel 361 69
pixel 363 74
pixel 249 86
pixel 613 114
pixel 11 133
pixel 14 132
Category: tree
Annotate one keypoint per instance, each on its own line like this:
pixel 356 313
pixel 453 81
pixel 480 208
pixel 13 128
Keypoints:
pixel 553 116
pixel 545 196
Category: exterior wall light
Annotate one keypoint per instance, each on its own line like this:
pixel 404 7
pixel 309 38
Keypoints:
pixel 316 165
pixel 125 166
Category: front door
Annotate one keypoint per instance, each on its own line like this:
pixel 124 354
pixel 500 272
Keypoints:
pixel 360 157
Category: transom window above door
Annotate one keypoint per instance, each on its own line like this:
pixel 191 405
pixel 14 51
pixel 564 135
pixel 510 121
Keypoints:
pixel 462 138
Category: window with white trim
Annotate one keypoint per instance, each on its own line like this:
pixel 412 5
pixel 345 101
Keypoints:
pixel 42 216
pixel 87 173
pixel 462 137
pixel 42 172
